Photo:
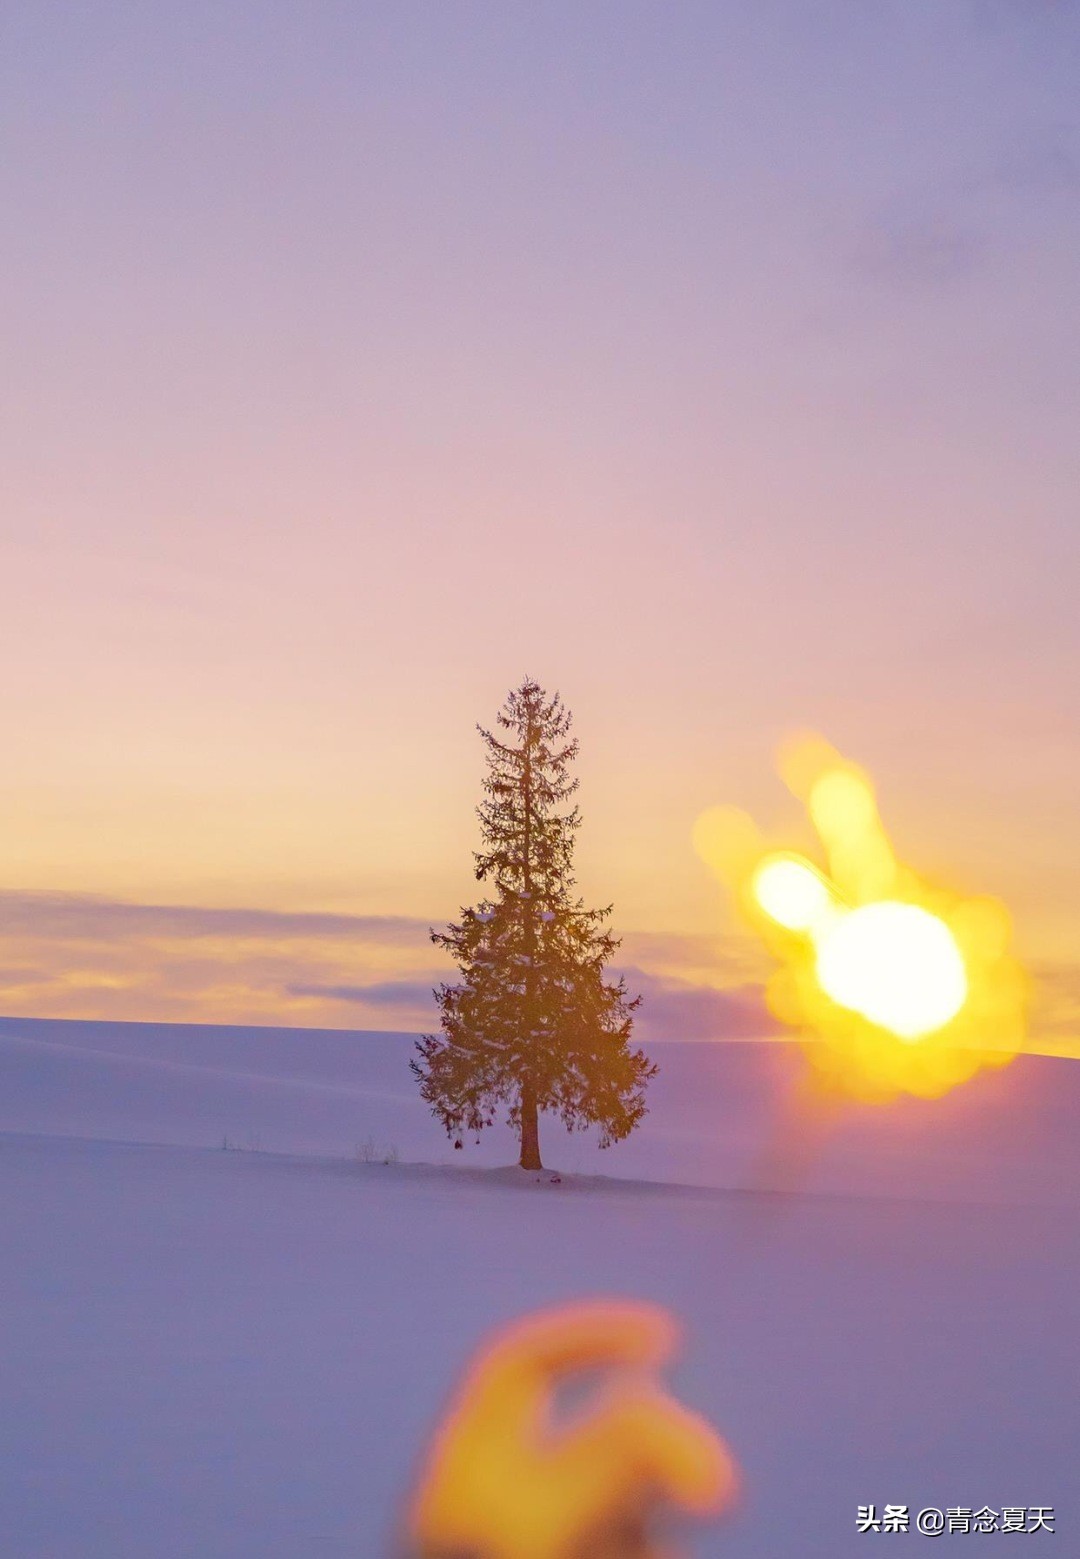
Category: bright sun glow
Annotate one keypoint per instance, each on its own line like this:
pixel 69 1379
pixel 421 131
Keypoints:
pixel 791 892
pixel 896 964
pixel 897 987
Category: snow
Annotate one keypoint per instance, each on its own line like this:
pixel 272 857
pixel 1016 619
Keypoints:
pixel 239 1353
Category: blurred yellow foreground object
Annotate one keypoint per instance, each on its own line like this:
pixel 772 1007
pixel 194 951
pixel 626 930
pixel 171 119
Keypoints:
pixel 508 1477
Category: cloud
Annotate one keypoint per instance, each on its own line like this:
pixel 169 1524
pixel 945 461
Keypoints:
pixel 734 959
pixel 672 1009
pixel 83 956
pixel 1048 165
pixel 1055 1001
pixel 380 993
pixel 68 955
pixel 944 233
pixel 71 955
pixel 989 15
pixel 85 917
pixel 15 979
pixel 681 1009
pixel 913 251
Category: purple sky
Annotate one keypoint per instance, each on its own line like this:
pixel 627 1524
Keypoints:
pixel 718 364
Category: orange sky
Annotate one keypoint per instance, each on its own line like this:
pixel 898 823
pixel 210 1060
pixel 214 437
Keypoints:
pixel 722 375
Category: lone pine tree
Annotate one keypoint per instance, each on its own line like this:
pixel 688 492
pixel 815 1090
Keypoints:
pixel 532 1024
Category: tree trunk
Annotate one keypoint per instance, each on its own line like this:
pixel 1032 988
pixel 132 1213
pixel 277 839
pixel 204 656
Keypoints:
pixel 530 1125
pixel 530 1128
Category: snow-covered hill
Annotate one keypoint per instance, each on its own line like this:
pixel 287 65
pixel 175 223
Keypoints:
pixel 720 1115
pixel 236 1354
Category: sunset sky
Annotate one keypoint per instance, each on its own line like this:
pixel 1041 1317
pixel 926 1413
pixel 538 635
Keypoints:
pixel 717 364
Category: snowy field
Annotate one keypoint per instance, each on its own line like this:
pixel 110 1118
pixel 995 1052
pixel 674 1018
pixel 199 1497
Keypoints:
pixel 214 1354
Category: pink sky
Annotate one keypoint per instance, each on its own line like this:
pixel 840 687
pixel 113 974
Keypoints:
pixel 717 369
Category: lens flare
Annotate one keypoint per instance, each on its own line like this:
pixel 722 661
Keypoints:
pixel 897 987
pixel 792 893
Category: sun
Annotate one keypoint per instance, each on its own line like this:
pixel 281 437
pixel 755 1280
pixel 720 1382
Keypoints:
pixel 897 987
